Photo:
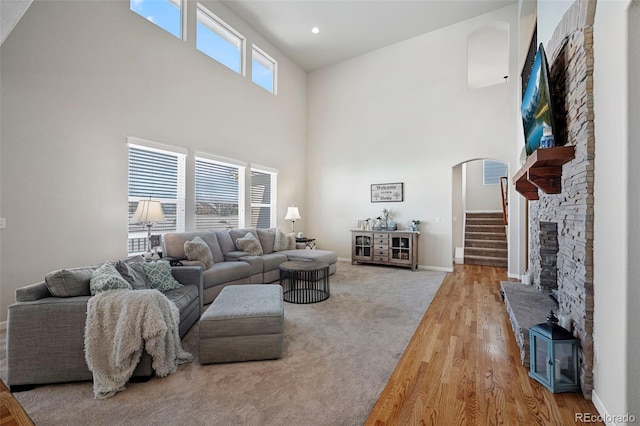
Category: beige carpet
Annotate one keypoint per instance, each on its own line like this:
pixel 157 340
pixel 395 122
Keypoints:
pixel 338 356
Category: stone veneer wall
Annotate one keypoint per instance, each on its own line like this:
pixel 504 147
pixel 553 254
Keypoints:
pixel 571 81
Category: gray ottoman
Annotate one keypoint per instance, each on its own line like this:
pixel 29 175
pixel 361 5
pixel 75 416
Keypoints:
pixel 244 323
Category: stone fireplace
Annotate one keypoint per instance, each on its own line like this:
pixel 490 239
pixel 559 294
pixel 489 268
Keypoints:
pixel 561 225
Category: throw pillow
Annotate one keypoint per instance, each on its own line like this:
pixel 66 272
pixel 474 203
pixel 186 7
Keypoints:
pixel 250 244
pixel 284 241
pixel 69 282
pixel 133 273
pixel 106 278
pixel 159 275
pixel 197 249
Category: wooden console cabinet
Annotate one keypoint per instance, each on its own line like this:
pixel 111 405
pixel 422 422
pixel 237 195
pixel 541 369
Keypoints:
pixel 398 248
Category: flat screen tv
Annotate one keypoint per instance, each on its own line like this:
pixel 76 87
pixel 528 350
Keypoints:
pixel 536 103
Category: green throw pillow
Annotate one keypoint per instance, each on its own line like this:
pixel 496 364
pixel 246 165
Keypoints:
pixel 198 250
pixel 250 244
pixel 106 278
pixel 159 275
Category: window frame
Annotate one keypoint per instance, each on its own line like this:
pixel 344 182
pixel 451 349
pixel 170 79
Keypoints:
pixel 273 183
pixel 241 170
pixel 182 21
pixel 226 32
pixel 263 58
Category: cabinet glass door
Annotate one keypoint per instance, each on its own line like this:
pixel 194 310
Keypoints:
pixel 363 246
pixel 401 249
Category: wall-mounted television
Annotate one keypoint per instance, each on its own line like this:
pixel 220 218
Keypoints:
pixel 536 103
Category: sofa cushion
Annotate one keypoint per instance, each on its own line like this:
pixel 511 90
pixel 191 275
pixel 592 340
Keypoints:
pixel 197 249
pixel 69 282
pixel 284 241
pixel 225 272
pixel 133 273
pixel 250 244
pixel 183 296
pixel 272 261
pixel 267 238
pixel 159 275
pixel 226 242
pixel 107 278
pixel 324 256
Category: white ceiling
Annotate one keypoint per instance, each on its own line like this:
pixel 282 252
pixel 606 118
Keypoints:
pixel 350 27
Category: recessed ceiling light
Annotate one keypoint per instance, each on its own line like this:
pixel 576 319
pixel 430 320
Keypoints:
pixel 315 30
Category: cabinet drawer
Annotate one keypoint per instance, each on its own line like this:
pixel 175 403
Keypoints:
pixel 381 240
pixel 381 247
pixel 381 258
pixel 381 236
pixel 381 252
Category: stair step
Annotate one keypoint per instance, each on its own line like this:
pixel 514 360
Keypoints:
pixel 485 228
pixel 486 261
pixel 494 236
pixel 485 221
pixel 501 244
pixel 485 215
pixel 486 252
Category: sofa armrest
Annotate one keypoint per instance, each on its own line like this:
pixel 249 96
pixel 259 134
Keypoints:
pixel 32 292
pixel 190 275
pixel 45 341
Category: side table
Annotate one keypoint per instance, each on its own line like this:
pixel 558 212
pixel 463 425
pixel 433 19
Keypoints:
pixel 304 282
pixel 309 243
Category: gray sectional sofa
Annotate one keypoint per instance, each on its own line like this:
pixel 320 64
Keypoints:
pixel 46 325
pixel 234 266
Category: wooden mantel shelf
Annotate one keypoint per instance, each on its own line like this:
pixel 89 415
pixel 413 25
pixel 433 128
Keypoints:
pixel 543 170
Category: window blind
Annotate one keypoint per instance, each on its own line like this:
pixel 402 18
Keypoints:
pixel 492 171
pixel 217 195
pixel 159 175
pixel 261 199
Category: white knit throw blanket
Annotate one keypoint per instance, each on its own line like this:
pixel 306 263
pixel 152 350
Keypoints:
pixel 120 325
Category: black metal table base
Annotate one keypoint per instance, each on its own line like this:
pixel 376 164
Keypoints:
pixel 304 282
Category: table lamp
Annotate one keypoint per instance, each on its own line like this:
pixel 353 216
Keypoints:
pixel 293 214
pixel 148 213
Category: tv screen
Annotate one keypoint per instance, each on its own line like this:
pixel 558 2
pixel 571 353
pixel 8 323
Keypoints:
pixel 536 103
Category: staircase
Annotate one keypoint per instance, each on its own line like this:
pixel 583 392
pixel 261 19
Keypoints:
pixel 485 239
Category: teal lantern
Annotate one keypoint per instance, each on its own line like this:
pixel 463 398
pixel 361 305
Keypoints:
pixel 554 356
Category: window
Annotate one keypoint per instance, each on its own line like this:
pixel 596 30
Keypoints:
pixel 492 171
pixel 263 197
pixel 219 192
pixel 167 14
pixel 158 174
pixel 263 70
pixel 219 41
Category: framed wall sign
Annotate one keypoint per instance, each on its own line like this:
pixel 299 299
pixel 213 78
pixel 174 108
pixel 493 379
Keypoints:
pixel 387 192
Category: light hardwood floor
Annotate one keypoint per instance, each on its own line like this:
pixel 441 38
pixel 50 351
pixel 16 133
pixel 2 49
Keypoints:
pixel 461 367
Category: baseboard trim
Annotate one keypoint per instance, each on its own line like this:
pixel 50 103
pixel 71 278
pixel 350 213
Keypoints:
pixel 436 268
pixel 602 410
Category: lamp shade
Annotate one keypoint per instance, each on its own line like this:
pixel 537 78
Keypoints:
pixel 293 213
pixel 148 211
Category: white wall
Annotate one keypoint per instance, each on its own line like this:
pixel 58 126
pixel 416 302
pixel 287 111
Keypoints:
pixel 77 78
pixel 480 197
pixel 403 114
pixel 615 236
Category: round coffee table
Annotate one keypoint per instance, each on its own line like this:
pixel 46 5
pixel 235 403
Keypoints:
pixel 304 282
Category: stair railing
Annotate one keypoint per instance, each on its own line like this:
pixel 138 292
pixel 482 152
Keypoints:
pixel 504 186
